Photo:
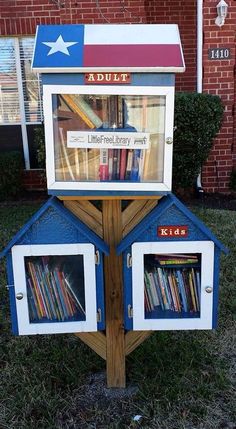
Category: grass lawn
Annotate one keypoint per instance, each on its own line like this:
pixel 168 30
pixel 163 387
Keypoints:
pixel 184 380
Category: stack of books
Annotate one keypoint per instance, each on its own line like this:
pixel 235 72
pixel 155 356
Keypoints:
pixel 50 293
pixel 121 164
pixel 105 113
pixel 172 282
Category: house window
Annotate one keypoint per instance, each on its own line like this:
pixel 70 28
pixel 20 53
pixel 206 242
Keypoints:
pixel 20 95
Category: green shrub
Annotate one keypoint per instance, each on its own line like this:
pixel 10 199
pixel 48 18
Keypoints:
pixel 198 118
pixel 232 182
pixel 39 141
pixel 11 167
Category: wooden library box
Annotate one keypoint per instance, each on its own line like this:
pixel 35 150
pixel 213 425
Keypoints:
pixel 170 271
pixel 108 98
pixel 55 274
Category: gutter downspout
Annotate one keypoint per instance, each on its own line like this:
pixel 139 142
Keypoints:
pixel 199 65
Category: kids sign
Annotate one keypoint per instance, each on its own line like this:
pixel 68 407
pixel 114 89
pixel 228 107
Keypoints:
pixel 171 231
pixel 109 140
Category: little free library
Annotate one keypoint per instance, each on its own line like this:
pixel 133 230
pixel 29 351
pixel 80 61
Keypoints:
pixel 112 255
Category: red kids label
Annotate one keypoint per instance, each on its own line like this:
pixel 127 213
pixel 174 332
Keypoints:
pixel 172 231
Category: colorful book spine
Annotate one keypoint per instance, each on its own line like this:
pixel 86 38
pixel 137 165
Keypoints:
pixel 173 289
pixel 123 159
pixel 134 175
pixel 129 164
pixel 110 163
pixel 116 164
pixel 50 295
pixel 104 167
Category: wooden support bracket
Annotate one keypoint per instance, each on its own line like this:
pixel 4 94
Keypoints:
pixel 112 225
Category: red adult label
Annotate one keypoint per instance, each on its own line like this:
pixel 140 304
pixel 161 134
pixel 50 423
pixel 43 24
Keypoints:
pixel 107 78
pixel 172 231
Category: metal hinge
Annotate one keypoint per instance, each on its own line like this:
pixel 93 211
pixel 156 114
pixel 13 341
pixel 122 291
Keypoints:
pixel 8 286
pixel 130 311
pixel 129 260
pixel 99 315
pixel 97 257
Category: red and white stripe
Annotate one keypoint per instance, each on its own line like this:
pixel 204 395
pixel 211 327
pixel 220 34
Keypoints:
pixel 133 46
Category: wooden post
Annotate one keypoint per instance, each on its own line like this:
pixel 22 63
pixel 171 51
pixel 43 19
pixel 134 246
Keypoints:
pixel 115 355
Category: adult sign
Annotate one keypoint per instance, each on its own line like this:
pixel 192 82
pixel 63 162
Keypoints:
pixel 108 78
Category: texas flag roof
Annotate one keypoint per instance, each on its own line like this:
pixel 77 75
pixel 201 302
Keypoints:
pixel 99 47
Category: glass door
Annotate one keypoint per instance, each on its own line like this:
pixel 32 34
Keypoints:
pixel 55 288
pixel 172 285
pixel 109 138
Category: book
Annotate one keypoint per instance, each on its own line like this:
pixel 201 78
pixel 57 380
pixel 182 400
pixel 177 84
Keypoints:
pixel 182 290
pixel 191 288
pixel 116 164
pixel 129 164
pixel 196 291
pixel 104 167
pixel 50 293
pixel 163 290
pixel 134 174
pixel 155 298
pixel 148 290
pixel 171 288
pixel 77 104
pixel 155 276
pixel 110 163
pixel 123 160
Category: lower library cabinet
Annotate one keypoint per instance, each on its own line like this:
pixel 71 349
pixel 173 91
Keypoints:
pixel 171 264
pixel 55 288
pixel 172 285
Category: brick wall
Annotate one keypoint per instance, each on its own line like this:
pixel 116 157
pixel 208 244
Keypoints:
pixel 21 17
pixel 183 13
pixel 219 79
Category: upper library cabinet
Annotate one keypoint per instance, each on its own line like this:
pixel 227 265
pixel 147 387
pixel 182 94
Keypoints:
pixel 108 95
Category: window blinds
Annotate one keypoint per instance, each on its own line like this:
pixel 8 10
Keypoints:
pixel 9 91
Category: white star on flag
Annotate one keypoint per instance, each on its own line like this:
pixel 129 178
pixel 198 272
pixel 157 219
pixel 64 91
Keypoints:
pixel 59 46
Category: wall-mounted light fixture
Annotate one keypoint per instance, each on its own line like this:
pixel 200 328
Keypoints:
pixel 222 10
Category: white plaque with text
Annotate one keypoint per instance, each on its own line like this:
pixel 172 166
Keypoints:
pixel 109 140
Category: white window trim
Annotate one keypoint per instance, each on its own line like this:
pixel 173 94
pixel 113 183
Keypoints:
pixel 22 106
pixel 52 184
pixel 206 248
pixel 23 123
pixel 25 327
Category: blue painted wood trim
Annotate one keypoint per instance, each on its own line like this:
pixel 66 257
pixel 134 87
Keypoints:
pixel 70 217
pixel 100 293
pixel 137 79
pixel 86 193
pixel 130 238
pixel 128 298
pixel 10 279
pixel 153 216
pixel 216 287
pixel 94 238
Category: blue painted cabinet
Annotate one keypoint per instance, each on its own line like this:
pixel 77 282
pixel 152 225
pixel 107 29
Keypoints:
pixel 55 274
pixel 108 117
pixel 171 271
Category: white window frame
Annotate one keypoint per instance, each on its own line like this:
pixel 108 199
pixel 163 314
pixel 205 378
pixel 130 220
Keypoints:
pixel 19 252
pixel 49 90
pixel 22 123
pixel 206 249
